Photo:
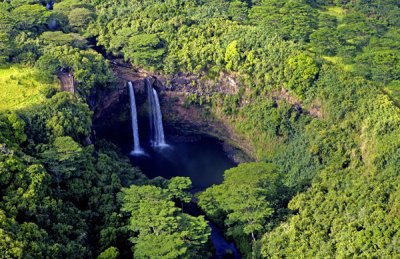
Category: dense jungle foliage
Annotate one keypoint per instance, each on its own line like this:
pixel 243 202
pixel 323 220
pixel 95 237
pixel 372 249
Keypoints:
pixel 317 102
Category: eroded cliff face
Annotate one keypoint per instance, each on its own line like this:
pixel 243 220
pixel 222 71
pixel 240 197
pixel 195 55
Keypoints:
pixel 182 122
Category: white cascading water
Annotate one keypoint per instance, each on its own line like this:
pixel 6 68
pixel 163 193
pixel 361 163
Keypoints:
pixel 137 150
pixel 156 126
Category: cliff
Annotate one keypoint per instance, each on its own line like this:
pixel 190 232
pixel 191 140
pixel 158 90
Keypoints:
pixel 182 122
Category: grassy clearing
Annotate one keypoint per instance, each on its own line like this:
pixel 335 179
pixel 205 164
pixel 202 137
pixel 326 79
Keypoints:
pixel 339 62
pixel 336 11
pixel 19 89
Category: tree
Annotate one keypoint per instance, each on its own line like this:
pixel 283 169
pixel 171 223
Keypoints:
pixel 144 49
pixel 10 247
pixel 238 10
pixel 79 18
pixel 163 231
pixel 301 71
pixel 109 253
pixel 381 65
pixel 12 129
pixel 325 41
pixel 30 17
pixel 62 158
pixel 58 38
pixel 88 67
pixel 71 119
pixel 356 30
pixel 290 20
pixel 380 60
pixel 178 188
pixel 62 115
pixel 232 56
pixel 6 45
pixel 247 197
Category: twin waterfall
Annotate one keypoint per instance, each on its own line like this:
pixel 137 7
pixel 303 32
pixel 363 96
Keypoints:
pixel 157 138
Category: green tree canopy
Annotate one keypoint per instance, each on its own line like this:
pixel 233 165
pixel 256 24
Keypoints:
pixel 247 199
pixel 163 230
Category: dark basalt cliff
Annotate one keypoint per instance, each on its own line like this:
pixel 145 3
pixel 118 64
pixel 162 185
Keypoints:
pixel 182 122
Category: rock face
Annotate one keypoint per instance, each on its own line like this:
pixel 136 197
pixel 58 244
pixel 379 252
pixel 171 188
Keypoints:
pixel 182 122
pixel 67 81
pixel 187 123
pixel 189 83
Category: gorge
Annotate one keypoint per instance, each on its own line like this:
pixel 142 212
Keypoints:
pixel 189 130
pixel 203 161
pixel 199 129
pixel 181 122
pixel 200 157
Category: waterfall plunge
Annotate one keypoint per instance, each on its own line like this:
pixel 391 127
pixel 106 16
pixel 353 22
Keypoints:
pixel 156 126
pixel 137 150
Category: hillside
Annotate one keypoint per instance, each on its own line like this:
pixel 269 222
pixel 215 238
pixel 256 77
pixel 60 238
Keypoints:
pixel 19 89
pixel 305 92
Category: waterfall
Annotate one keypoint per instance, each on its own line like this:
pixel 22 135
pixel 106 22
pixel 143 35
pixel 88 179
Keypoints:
pixel 135 129
pixel 156 126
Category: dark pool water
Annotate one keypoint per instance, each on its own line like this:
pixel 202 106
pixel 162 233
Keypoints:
pixel 204 161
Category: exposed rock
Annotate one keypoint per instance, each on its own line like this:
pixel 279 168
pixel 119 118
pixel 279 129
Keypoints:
pixel 314 110
pixel 111 101
pixel 227 84
pixel 67 81
pixel 181 122
pixel 284 95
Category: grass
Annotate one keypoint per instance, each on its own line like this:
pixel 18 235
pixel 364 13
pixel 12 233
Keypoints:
pixel 19 89
pixel 336 11
pixel 339 63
